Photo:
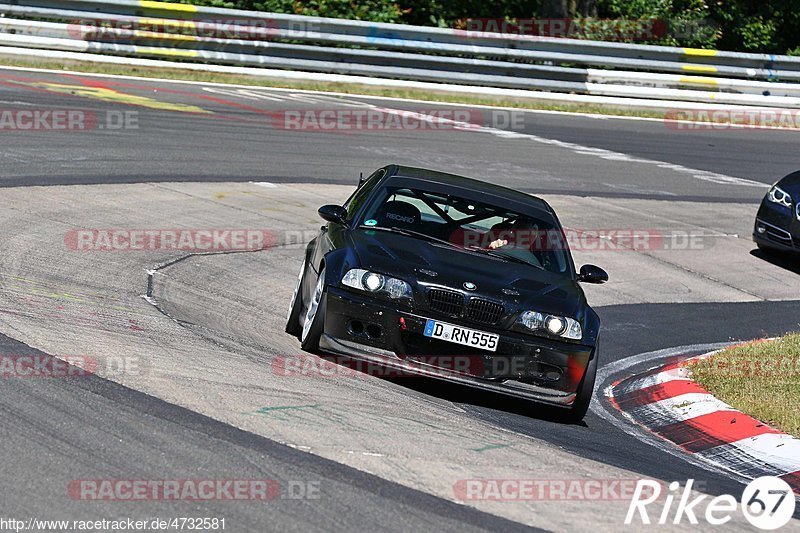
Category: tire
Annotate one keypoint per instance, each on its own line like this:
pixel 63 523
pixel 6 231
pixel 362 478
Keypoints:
pixel 765 249
pixel 585 391
pixel 769 251
pixel 314 322
pixel 293 326
pixel 775 253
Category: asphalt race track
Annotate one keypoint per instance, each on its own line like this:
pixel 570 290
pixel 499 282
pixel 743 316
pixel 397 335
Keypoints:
pixel 206 398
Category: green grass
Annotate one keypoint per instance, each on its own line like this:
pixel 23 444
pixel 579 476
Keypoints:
pixel 761 379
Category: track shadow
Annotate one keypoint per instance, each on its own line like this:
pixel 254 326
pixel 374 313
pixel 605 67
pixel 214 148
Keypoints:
pixel 785 260
pixel 462 394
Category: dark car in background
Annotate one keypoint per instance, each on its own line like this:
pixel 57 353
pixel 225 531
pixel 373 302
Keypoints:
pixel 777 226
pixel 451 278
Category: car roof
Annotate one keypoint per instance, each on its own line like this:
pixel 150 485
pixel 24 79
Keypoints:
pixel 444 178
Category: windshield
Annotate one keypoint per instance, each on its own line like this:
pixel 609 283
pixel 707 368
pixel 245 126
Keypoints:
pixel 475 226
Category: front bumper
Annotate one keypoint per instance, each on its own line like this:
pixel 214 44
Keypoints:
pixel 775 231
pixel 523 366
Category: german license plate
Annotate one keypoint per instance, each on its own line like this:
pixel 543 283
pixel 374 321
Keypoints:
pixel 460 335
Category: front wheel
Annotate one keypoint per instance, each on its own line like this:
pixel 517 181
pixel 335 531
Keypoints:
pixel 296 306
pixel 314 323
pixel 765 249
pixel 769 251
pixel 585 391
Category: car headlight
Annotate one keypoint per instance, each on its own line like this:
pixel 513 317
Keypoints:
pixel 364 280
pixel 372 282
pixel 555 325
pixel 779 196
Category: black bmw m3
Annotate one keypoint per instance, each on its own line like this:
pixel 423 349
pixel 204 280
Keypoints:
pixel 778 221
pixel 451 278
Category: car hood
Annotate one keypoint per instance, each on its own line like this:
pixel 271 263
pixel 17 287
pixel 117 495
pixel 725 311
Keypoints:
pixel 791 184
pixel 414 259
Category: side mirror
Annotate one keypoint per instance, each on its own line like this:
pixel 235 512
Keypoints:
pixel 333 213
pixel 592 274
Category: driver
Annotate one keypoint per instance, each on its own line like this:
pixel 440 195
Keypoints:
pixel 499 235
pixel 523 233
pixel 518 233
pixel 509 232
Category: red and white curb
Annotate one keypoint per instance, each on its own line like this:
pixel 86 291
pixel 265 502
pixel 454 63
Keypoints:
pixel 668 403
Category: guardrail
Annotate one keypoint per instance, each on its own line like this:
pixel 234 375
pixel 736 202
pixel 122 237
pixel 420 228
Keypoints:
pixel 146 29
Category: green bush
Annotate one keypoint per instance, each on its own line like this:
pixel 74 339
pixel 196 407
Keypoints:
pixel 771 26
pixel 768 26
pixel 765 26
pixel 686 22
pixel 372 10
pixel 449 13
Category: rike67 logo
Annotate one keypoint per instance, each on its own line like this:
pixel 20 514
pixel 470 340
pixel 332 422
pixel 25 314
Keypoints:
pixel 768 503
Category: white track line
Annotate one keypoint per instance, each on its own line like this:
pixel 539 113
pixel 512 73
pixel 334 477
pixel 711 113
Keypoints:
pixel 702 175
pixel 609 155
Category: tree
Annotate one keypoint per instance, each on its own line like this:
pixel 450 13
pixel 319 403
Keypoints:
pixel 555 9
pixel 583 8
pixel 568 8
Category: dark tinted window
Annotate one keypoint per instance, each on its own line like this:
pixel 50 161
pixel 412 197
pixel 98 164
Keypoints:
pixel 472 225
